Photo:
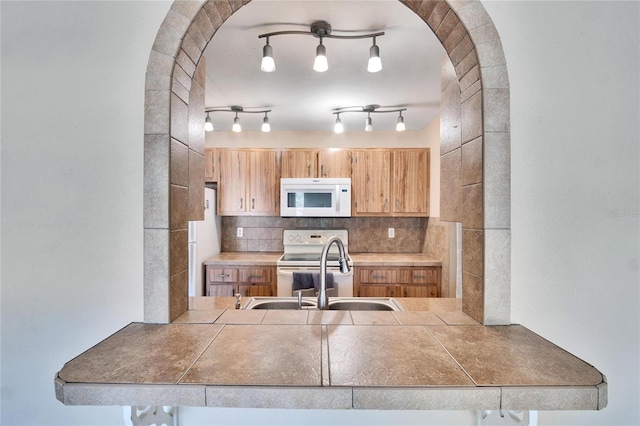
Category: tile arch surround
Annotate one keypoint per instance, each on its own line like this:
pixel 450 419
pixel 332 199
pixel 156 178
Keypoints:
pixel 473 45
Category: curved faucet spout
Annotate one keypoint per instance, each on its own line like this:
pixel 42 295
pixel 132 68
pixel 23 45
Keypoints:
pixel 323 299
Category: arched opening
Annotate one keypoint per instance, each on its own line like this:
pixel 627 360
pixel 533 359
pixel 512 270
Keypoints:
pixel 481 160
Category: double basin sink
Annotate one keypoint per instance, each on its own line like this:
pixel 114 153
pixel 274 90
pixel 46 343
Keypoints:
pixel 335 303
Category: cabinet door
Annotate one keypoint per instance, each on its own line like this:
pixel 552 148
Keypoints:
pixel 376 290
pixel 411 182
pixel 221 290
pixel 418 291
pixel 334 164
pixel 232 188
pixel 371 183
pixel 211 165
pixel 264 183
pixel 256 290
pixel 299 163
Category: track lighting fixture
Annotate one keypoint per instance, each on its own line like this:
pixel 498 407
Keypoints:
pixel 369 109
pixel 208 124
pixel 321 30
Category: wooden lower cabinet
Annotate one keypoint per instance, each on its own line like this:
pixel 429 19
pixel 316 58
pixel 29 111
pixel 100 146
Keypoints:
pixel 418 281
pixel 248 281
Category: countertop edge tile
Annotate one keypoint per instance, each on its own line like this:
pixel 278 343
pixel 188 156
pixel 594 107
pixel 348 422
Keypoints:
pixel 279 397
pixel 426 398
pixel 550 398
pixel 128 394
pixel 244 258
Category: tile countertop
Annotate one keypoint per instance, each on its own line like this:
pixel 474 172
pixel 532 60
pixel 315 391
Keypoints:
pixel 429 357
pixel 359 259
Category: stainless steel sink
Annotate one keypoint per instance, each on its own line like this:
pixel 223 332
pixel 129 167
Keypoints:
pixel 335 303
pixel 279 303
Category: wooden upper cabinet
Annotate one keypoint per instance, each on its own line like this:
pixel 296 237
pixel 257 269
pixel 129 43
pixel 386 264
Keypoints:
pixel 371 182
pixel 334 164
pixel 263 197
pixel 249 182
pixel 299 163
pixel 232 188
pixel 211 164
pixel 411 182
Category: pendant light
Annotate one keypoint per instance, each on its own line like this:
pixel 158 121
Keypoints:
pixel 266 127
pixel 400 124
pixel 236 124
pixel 338 128
pixel 320 64
pixel 368 127
pixel 208 124
pixel 375 63
pixel 268 64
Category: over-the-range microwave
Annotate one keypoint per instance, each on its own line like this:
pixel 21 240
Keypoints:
pixel 321 197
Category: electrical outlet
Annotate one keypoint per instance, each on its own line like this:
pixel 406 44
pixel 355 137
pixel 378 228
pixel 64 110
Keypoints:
pixel 239 232
pixel 392 233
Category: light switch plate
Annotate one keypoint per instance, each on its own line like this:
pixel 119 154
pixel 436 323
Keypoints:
pixel 392 232
pixel 239 232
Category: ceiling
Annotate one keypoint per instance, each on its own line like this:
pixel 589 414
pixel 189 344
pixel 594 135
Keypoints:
pixel 302 99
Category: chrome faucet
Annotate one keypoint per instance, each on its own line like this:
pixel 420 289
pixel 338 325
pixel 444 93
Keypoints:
pixel 323 299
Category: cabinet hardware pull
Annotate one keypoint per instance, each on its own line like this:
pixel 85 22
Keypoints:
pixel 377 276
pixel 322 170
pixel 309 170
pixel 253 203
pixel 240 203
pixel 420 276
pixel 255 276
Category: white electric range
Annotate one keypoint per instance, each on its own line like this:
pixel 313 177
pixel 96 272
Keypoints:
pixel 302 250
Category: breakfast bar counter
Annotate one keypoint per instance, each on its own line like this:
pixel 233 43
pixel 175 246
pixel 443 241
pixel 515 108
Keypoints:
pixel 430 356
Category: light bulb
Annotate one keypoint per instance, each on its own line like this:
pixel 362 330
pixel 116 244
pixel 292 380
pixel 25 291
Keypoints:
pixel 368 127
pixel 236 125
pixel 400 124
pixel 320 64
pixel 338 128
pixel 266 127
pixel 375 63
pixel 268 64
pixel 208 124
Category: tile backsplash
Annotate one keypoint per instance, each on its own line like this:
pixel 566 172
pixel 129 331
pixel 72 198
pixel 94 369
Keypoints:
pixel 366 234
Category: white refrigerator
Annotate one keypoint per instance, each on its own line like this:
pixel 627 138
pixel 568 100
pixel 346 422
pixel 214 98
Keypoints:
pixel 204 242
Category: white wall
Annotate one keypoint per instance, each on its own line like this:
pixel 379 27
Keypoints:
pixel 72 197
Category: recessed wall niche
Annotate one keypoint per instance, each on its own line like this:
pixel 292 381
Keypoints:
pixel 475 50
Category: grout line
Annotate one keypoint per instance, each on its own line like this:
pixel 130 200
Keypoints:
pixel 201 353
pixel 452 357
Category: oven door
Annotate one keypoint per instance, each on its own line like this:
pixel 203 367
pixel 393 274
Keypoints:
pixel 342 282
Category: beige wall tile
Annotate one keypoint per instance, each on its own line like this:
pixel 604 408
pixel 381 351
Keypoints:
pixel 160 64
pixel 467 64
pixel 471 111
pixel 155 82
pixel 451 186
pixel 484 34
pixel 187 9
pixel 191 48
pixel 450 119
pixel 214 15
pixel 156 112
pixel 496 110
pixel 497 181
pixel 461 51
pixel 179 207
pixel 224 8
pixel 423 8
pixel 178 252
pixel 166 42
pixel 472 162
pixel 156 181
pixel 458 33
pixel 178 295
pixel 438 14
pixel 473 14
pixel 196 34
pixel 473 251
pixel 182 77
pixel 472 207
pixel 156 276
pixel 180 91
pixel 134 395
pixel 497 277
pixel 495 77
pixel 447 26
pixel 196 186
pixel 204 24
pixel 186 63
pixel 473 296
pixel 196 120
pixel 491 53
pixel 179 163
pixel 179 119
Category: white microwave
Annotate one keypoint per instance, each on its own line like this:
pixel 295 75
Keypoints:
pixel 309 197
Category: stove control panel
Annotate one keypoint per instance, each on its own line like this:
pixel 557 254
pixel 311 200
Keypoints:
pixel 311 237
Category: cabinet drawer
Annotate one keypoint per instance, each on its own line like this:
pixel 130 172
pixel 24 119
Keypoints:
pixel 222 275
pixel 378 276
pixel 255 275
pixel 424 276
